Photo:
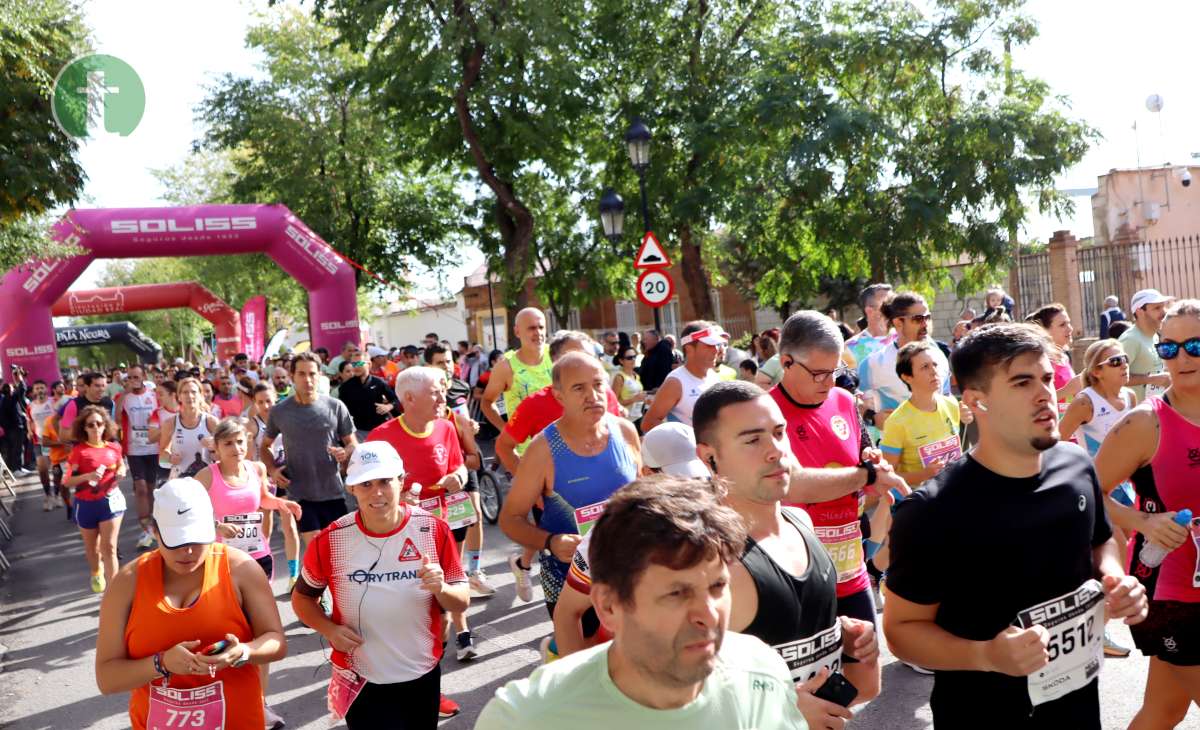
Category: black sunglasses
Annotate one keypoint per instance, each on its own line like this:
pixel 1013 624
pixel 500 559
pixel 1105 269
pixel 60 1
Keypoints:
pixel 1169 350
pixel 1117 361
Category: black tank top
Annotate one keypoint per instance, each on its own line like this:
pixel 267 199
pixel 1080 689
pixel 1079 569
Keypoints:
pixel 793 611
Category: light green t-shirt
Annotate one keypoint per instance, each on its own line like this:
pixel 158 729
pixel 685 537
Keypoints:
pixel 773 369
pixel 750 688
pixel 1143 360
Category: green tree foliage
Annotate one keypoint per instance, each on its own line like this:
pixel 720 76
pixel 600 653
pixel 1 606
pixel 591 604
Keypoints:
pixel 308 137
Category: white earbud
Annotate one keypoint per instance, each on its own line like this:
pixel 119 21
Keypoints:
pixel 981 406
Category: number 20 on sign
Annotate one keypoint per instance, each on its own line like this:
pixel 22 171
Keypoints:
pixel 655 287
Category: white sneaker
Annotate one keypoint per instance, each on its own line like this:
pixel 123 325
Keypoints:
pixel 522 578
pixel 918 670
pixel 479 584
pixel 146 541
pixel 271 718
pixel 46 506
pixel 466 647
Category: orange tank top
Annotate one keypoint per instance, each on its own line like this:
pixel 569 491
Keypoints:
pixel 154 625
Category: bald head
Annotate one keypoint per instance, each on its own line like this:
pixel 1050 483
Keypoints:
pixel 530 328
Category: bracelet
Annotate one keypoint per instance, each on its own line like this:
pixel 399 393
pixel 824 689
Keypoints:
pixel 158 666
pixel 549 538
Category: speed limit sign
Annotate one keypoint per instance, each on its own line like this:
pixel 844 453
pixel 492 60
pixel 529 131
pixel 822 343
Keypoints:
pixel 655 287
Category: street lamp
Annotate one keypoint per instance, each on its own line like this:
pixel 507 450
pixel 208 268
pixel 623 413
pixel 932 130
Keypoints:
pixel 612 218
pixel 637 140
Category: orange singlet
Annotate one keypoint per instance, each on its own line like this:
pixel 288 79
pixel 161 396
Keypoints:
pixel 154 626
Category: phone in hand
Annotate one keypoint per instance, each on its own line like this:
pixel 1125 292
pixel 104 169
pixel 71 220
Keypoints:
pixel 837 689
pixel 215 648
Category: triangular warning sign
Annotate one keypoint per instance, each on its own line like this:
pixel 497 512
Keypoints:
pixel 651 255
pixel 409 551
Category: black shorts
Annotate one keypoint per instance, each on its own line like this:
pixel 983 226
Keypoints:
pixel 472 484
pixel 1170 632
pixel 316 515
pixel 589 621
pixel 377 705
pixel 144 469
pixel 267 563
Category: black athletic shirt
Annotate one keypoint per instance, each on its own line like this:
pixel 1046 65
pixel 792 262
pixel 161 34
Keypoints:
pixel 790 608
pixel 984 547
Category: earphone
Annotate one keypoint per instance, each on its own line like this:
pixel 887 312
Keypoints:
pixel 981 406
pixel 712 461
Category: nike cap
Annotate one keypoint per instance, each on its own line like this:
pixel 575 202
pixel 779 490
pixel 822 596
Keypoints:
pixel 1148 296
pixel 671 448
pixel 373 460
pixel 183 513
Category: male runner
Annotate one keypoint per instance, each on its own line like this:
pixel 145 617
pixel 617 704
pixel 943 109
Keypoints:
pixel 877 378
pixel 318 436
pixel 701 342
pixel 227 403
pixel 368 397
pixel 994 563
pixel 574 466
pixel 784 584
pixel 878 332
pixel 827 435
pixel 661 585
pixel 521 371
pixel 1149 308
pixel 40 409
pixel 92 394
pixel 137 409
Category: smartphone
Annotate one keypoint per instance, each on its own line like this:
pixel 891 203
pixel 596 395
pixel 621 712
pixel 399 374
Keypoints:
pixel 220 646
pixel 838 690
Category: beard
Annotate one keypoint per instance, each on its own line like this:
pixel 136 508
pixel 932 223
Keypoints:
pixel 1042 443
pixel 659 657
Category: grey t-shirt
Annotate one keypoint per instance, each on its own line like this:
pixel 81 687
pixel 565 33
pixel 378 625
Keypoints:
pixel 308 431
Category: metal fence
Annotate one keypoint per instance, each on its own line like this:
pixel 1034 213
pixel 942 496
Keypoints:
pixel 1033 283
pixel 1170 265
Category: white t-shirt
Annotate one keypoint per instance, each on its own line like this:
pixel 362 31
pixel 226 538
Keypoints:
pixel 691 389
pixel 136 413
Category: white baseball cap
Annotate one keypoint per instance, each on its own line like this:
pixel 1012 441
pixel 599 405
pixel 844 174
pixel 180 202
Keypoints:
pixel 183 513
pixel 373 460
pixel 671 447
pixel 713 335
pixel 1148 296
pixel 375 352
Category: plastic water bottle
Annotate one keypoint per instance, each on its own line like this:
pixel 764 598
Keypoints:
pixel 1152 553
pixel 99 475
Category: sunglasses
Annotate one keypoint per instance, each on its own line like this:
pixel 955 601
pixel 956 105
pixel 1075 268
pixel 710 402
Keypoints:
pixel 1117 361
pixel 358 363
pixel 94 424
pixel 919 318
pixel 1170 350
pixel 629 357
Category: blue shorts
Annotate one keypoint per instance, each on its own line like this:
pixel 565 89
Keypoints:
pixel 89 513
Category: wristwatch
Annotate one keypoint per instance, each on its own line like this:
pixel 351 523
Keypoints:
pixel 244 659
pixel 870 467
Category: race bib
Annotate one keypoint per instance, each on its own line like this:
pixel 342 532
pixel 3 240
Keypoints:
pixel 585 517
pixel 199 708
pixel 432 505
pixel 844 544
pixel 808 656
pixel 344 687
pixel 460 512
pixel 1155 390
pixel 249 537
pixel 947 449
pixel 116 500
pixel 138 438
pixel 1075 621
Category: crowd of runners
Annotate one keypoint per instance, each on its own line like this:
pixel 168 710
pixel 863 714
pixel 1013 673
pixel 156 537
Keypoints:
pixel 723 537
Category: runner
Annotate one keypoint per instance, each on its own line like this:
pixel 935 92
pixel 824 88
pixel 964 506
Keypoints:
pixel 94 469
pixel 660 582
pixel 91 394
pixel 163 610
pixel 41 409
pixel 1154 447
pixel 226 402
pixel 137 408
pixel 1017 637
pixel 878 333
pixel 784 584
pixel 830 441
pixel 318 436
pixel 701 342
pixel 369 398
pixel 573 466
pixel 239 494
pixel 185 439
pixel 58 451
pixel 386 627
pixel 877 378
pixel 1149 307
pixel 1054 319
pixel 627 384
pixel 521 371
pixel 256 427
pixel 457 394
pixel 921 436
pixel 281 382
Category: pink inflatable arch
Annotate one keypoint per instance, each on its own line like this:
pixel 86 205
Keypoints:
pixel 227 323
pixel 28 292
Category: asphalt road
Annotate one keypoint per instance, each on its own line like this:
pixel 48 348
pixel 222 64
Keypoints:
pixel 48 618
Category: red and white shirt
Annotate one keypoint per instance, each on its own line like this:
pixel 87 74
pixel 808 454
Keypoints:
pixel 137 413
pixel 427 457
pixel 376 591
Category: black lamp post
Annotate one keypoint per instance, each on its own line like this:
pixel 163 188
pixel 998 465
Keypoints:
pixel 612 207
pixel 612 218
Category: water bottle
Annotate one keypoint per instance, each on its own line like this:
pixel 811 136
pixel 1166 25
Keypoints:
pixel 99 475
pixel 1152 553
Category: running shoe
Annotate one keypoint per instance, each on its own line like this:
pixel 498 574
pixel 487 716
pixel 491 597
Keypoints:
pixel 466 647
pixel 521 575
pixel 98 583
pixel 1112 648
pixel 447 707
pixel 271 718
pixel 548 649
pixel 146 541
pixel 46 505
pixel 918 670
pixel 480 585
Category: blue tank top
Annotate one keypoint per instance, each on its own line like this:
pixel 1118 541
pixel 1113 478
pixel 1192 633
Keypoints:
pixel 582 484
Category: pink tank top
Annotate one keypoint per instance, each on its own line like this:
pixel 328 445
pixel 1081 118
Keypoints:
pixel 232 500
pixel 1176 468
pixel 1062 375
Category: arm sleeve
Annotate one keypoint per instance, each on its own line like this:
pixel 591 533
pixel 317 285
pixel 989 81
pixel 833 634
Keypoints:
pixel 447 554
pixel 272 427
pixel 916 572
pixel 517 420
pixel 314 569
pixel 892 441
pixel 345 424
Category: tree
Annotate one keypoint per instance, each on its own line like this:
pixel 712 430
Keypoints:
pixel 308 136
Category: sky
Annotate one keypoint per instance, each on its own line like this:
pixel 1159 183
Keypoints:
pixel 1107 56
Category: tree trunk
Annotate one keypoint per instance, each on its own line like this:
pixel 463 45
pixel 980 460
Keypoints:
pixel 694 274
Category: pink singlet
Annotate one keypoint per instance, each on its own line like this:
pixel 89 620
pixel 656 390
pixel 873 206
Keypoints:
pixel 241 501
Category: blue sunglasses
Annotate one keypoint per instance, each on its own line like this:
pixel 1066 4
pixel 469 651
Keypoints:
pixel 1170 350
